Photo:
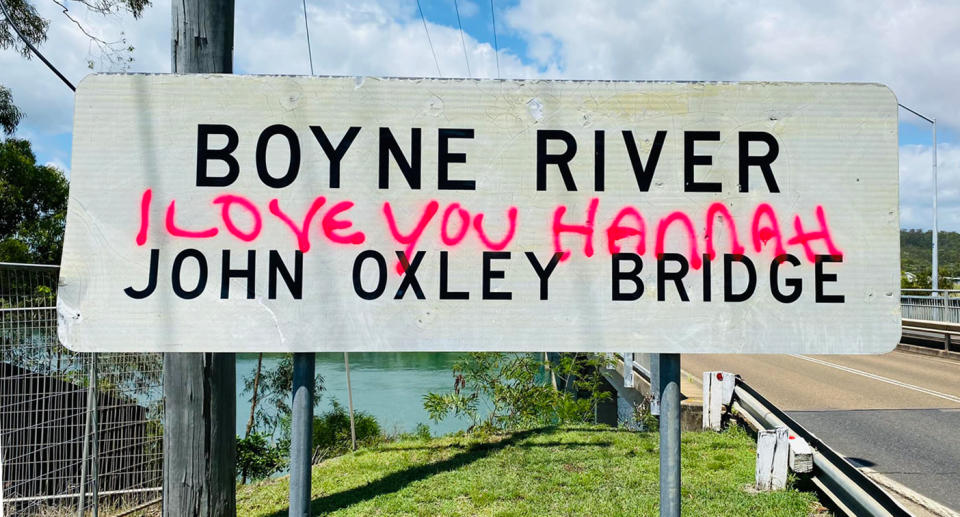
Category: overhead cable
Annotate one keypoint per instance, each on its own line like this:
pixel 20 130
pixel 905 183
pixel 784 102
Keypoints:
pixel 306 24
pixel 462 42
pixel 427 32
pixel 33 49
pixel 496 46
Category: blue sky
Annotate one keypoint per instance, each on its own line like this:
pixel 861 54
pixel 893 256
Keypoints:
pixel 910 47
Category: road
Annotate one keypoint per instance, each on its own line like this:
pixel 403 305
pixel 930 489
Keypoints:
pixel 897 414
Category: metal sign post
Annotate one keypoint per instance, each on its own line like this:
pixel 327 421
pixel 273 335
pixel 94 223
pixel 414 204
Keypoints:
pixel 669 434
pixel 301 436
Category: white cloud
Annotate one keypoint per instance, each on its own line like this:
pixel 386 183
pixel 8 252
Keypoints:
pixel 364 38
pixel 47 103
pixel 910 46
pixel 916 187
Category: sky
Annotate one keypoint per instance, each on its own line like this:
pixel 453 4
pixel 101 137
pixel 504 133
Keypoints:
pixel 911 46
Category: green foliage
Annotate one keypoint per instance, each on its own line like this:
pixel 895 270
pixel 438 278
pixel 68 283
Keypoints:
pixel 118 54
pixel 331 430
pixel 499 391
pixel 272 414
pixel 26 18
pixel 33 206
pixel 10 115
pixel 916 256
pixel 257 458
pixel 422 432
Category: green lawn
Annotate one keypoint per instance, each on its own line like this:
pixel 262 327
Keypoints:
pixel 570 471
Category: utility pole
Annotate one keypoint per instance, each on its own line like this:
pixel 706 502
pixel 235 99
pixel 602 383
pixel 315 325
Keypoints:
pixel 199 389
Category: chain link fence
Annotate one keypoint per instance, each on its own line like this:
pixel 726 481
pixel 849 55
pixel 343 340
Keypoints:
pixel 79 433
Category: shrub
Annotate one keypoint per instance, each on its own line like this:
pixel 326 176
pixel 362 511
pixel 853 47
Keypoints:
pixel 257 459
pixel 514 391
pixel 331 430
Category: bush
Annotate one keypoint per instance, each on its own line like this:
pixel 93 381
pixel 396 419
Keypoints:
pixel 515 392
pixel 331 430
pixel 257 459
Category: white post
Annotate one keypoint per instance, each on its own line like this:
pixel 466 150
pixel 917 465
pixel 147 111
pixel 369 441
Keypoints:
pixel 353 429
pixel 772 455
pixel 627 369
pixel 934 277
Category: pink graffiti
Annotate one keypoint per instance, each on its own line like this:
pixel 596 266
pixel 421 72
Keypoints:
pixel 302 232
pixel 176 231
pixel 228 200
pixel 695 260
pixel 331 225
pixel 411 238
pixel 497 246
pixel 585 229
pixel 617 231
pixel 712 211
pixel 804 238
pixel 144 216
pixel 763 234
pixel 445 224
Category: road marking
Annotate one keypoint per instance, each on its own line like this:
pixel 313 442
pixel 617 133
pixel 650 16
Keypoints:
pixel 907 493
pixel 945 396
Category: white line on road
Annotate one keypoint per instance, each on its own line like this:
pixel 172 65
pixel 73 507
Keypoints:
pixel 945 396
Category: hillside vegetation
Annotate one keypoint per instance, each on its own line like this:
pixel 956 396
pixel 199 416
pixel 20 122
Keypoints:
pixel 916 254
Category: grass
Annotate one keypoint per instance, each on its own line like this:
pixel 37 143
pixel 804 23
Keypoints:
pixel 569 471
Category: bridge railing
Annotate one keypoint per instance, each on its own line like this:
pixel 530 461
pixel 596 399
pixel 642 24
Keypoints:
pixel 931 304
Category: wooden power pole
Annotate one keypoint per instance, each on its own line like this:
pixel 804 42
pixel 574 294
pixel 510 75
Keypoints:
pixel 199 389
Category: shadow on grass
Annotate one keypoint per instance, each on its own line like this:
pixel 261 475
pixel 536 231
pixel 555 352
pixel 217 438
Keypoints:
pixel 398 480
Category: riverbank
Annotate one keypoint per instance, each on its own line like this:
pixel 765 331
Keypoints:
pixel 570 471
pixel 388 385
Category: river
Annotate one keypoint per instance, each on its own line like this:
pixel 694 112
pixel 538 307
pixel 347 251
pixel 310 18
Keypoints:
pixel 389 386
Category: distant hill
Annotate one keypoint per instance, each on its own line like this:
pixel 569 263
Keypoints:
pixel 915 255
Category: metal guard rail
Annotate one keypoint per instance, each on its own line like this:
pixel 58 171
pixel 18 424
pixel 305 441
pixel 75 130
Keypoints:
pixel 853 489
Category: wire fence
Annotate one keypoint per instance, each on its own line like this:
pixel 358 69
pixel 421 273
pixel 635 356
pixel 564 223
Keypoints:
pixel 78 432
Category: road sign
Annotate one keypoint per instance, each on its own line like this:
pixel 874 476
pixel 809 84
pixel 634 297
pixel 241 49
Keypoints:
pixel 228 213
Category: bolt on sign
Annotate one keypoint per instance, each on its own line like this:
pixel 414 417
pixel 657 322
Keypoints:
pixel 230 213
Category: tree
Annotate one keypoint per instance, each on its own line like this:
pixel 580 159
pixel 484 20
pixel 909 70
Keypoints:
pixel 271 400
pixel 33 28
pixel 33 206
pixel 9 114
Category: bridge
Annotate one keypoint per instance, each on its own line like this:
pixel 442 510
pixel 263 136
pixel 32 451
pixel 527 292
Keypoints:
pixel 894 416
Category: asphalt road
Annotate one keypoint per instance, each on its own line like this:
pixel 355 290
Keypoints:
pixel 898 413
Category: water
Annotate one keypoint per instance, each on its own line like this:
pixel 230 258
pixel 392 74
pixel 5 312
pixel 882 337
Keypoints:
pixel 389 386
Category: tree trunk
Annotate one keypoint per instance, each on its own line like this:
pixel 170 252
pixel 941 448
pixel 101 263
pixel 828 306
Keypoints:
pixel 253 408
pixel 256 393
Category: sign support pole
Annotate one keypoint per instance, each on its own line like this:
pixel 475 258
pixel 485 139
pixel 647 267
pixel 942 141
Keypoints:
pixel 669 434
pixel 301 433
pixel 199 389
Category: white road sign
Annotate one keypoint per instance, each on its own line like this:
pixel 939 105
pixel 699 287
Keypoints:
pixel 241 214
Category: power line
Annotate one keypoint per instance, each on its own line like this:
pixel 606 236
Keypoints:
pixel 496 46
pixel 434 52
pixel 34 49
pixel 306 23
pixel 462 42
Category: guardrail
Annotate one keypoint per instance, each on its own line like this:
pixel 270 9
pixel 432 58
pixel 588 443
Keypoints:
pixel 849 488
pixel 926 331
